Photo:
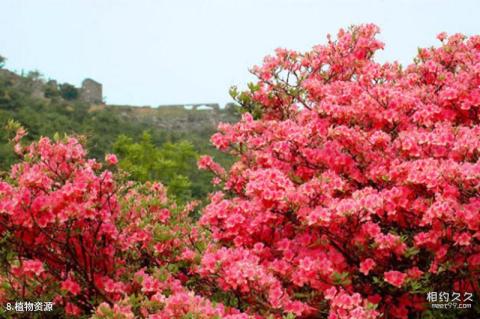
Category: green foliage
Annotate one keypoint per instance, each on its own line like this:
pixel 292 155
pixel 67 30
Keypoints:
pixel 2 61
pixel 174 164
pixel 68 92
pixel 246 104
pixel 167 153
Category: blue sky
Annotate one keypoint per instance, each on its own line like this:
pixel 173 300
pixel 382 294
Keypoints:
pixel 151 52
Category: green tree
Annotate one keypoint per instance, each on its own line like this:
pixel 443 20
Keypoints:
pixel 2 61
pixel 173 164
pixel 51 89
pixel 68 91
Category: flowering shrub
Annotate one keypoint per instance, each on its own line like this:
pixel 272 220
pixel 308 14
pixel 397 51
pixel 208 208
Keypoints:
pixel 355 193
pixel 92 242
pixel 356 189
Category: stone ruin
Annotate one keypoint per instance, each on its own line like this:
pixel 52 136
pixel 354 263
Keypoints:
pixel 91 91
pixel 202 106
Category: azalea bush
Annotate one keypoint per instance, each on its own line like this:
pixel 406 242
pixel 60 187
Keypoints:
pixel 354 194
pixel 356 191
pixel 77 233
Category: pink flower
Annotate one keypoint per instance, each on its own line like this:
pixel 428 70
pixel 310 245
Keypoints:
pixel 367 265
pixel 442 36
pixel 71 309
pixel 71 286
pixel 414 273
pixel 111 159
pixel 462 239
pixel 204 162
pixel 35 266
pixel 187 254
pixel 395 278
pixel 19 134
pixel 330 293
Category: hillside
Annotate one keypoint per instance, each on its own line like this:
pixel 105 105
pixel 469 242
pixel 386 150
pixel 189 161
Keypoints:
pixel 46 107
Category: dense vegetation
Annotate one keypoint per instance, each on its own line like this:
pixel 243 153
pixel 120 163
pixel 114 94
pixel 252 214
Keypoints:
pixel 146 149
pixel 355 194
pixel 172 163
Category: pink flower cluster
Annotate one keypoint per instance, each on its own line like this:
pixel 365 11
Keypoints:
pixel 356 182
pixel 94 244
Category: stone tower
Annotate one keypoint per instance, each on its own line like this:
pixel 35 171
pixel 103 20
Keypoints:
pixel 91 91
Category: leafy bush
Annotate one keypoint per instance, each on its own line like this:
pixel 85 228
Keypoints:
pixel 68 92
pixel 173 164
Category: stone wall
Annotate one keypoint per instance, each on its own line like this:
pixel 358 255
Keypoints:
pixel 91 91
